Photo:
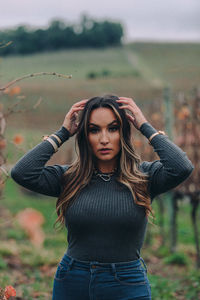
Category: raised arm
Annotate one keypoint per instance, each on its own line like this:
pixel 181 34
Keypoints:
pixel 172 168
pixel 30 171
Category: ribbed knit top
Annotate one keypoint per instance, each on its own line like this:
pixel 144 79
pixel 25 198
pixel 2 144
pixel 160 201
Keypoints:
pixel 104 224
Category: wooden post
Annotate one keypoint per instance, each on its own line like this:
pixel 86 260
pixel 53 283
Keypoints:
pixel 172 206
pixel 169 113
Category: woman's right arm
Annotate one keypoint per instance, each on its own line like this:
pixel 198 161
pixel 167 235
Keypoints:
pixel 30 170
pixel 31 173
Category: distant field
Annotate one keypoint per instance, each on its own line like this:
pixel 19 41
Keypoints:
pixel 76 62
pixel 138 70
pixel 176 64
pixel 168 63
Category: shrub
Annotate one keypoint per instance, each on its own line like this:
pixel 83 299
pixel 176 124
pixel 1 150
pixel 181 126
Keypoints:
pixel 106 73
pixel 92 75
pixel 177 258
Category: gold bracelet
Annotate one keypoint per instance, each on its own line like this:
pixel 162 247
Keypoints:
pixel 154 134
pixel 58 139
pixel 44 137
pixel 52 143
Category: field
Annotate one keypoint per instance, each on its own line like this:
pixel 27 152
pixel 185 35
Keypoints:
pixel 137 70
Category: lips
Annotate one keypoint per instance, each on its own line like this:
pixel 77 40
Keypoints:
pixel 104 149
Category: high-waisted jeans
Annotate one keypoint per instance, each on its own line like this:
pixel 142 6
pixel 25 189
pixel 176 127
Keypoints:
pixel 91 280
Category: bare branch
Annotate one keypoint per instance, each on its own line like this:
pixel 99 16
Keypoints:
pixel 4 171
pixel 5 45
pixel 11 108
pixel 33 75
pixel 37 103
pixel 2 123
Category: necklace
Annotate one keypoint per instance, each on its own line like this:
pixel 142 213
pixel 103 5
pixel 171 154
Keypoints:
pixel 105 176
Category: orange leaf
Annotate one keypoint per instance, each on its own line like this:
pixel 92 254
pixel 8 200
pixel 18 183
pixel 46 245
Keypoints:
pixel 9 291
pixel 183 113
pixel 30 217
pixel 15 91
pixel 31 221
pixel 18 139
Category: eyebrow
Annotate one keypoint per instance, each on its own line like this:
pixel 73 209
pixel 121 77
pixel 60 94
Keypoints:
pixel 115 121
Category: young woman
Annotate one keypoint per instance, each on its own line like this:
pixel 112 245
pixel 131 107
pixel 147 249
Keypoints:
pixel 104 197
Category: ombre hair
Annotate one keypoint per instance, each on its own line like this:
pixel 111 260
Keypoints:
pixel 80 172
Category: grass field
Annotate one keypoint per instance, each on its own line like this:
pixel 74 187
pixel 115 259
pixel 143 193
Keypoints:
pixel 175 64
pixel 151 62
pixel 137 70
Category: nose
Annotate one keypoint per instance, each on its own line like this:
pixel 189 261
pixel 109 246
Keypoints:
pixel 104 139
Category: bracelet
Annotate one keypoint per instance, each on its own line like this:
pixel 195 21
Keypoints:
pixel 44 137
pixel 154 134
pixel 53 143
pixel 58 139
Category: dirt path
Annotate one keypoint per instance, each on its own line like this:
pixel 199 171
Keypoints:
pixel 138 64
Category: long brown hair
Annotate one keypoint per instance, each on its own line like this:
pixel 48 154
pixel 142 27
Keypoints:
pixel 79 173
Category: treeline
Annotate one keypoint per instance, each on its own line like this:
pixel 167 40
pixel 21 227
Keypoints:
pixel 59 35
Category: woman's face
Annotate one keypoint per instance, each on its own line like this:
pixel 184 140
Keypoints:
pixel 103 135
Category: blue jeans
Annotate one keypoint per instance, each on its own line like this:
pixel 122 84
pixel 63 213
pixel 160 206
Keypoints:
pixel 91 280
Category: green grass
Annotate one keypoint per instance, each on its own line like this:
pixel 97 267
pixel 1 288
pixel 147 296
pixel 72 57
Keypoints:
pixel 166 63
pixel 163 288
pixel 174 63
pixel 76 62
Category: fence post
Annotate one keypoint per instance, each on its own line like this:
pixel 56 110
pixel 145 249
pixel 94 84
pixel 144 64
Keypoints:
pixel 169 113
pixel 172 206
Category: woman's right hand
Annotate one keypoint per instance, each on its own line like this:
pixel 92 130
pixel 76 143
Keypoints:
pixel 70 121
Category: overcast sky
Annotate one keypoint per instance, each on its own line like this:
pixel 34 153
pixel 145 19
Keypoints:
pixel 142 19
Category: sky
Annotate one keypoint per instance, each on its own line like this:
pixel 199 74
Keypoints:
pixel 167 20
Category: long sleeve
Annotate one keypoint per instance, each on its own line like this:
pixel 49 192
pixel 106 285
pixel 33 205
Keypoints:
pixel 30 171
pixel 172 168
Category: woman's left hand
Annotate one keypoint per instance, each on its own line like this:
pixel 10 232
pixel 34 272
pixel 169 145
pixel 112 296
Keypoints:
pixel 137 117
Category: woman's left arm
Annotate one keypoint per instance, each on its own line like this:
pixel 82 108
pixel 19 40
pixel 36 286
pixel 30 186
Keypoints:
pixel 173 167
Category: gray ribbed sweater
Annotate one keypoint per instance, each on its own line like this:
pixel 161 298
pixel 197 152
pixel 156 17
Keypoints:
pixel 104 224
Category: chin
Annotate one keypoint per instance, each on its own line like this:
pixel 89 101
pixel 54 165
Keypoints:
pixel 106 158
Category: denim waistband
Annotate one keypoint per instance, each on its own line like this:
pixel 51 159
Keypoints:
pixel 87 265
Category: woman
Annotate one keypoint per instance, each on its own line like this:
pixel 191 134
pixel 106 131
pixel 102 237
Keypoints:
pixel 104 197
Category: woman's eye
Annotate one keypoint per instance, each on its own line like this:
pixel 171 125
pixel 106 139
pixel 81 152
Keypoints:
pixel 96 130
pixel 93 130
pixel 114 128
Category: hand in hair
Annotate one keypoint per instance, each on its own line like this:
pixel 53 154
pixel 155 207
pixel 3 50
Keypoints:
pixel 70 121
pixel 137 118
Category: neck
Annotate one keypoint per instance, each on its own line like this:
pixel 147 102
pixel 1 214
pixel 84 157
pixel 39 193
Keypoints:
pixel 106 167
